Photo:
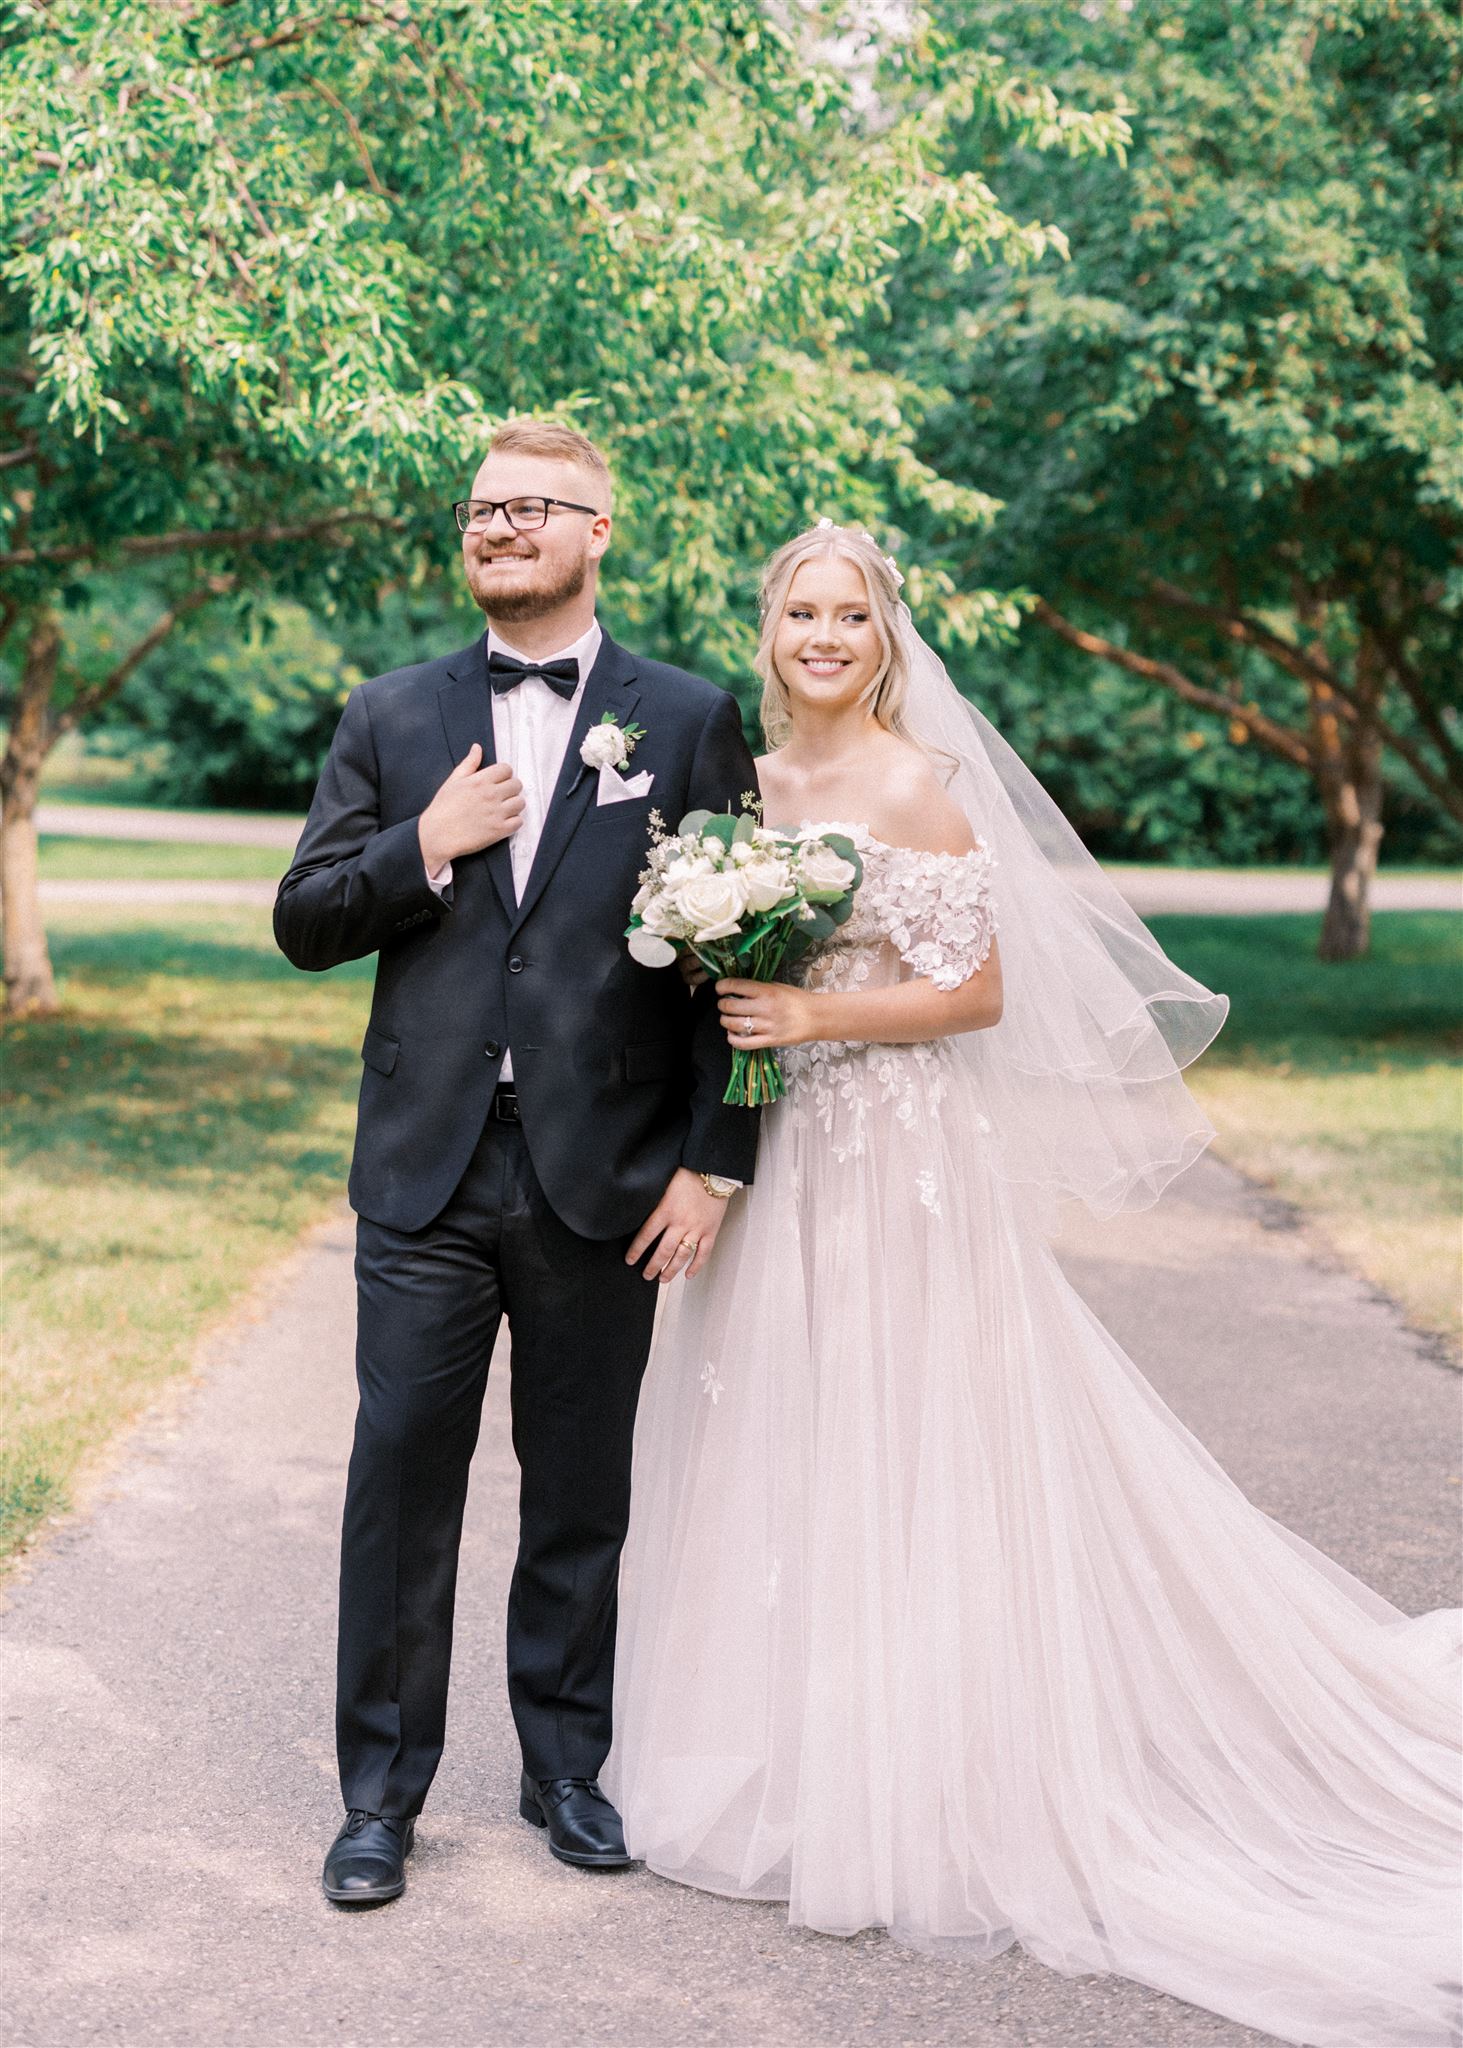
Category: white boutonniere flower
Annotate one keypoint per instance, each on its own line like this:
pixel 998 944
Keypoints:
pixel 609 744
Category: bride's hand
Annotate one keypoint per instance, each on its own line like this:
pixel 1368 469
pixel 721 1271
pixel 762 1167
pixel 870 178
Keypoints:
pixel 777 1013
pixel 692 972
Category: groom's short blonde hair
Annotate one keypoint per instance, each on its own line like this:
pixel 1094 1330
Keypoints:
pixel 550 438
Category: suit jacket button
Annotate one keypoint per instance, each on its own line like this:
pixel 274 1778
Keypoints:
pixel 492 1048
pixel 515 965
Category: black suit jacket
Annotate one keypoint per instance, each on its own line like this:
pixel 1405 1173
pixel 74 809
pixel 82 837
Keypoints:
pixel 619 1072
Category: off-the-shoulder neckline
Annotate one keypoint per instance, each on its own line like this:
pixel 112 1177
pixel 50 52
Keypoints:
pixel 980 847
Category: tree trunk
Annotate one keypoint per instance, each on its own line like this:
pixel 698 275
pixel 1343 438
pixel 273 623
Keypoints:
pixel 1348 770
pixel 1346 928
pixel 30 986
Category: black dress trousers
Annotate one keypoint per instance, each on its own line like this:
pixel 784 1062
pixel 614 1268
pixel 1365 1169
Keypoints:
pixel 430 1303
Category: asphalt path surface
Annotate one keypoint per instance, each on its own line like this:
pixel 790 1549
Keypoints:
pixel 1150 890
pixel 169 1777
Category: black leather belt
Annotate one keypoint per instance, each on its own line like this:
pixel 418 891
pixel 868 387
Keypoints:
pixel 505 1104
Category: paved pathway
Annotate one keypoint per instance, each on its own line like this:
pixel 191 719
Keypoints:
pixel 197 828
pixel 1241 892
pixel 1150 890
pixel 168 1673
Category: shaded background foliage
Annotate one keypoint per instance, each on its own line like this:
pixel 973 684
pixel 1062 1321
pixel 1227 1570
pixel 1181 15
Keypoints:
pixel 271 276
pixel 1228 433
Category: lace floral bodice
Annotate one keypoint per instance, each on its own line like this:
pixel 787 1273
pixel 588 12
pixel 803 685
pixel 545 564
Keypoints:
pixel 929 914
pixel 915 913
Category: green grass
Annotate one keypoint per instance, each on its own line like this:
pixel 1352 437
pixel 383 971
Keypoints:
pixel 192 1111
pixel 165 1139
pixel 1339 1085
pixel 160 860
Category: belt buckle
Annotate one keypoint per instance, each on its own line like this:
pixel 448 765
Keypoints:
pixel 505 1105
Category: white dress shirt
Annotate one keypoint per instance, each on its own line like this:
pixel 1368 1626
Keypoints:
pixel 531 729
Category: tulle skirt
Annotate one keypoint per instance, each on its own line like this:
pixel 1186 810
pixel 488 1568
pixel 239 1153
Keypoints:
pixel 935 1619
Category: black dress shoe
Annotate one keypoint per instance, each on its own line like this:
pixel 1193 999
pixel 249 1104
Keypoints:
pixel 367 1860
pixel 583 1827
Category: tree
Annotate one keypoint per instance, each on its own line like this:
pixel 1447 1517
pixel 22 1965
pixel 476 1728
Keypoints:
pixel 1229 432
pixel 274 272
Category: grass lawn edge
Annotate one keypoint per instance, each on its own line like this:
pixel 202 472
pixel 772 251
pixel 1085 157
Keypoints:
pixel 1278 1209
pixel 214 1347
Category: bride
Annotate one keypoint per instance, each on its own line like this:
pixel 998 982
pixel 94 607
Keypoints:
pixel 934 1618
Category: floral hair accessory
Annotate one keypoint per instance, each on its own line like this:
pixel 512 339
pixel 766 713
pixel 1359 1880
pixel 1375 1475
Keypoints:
pixel 889 561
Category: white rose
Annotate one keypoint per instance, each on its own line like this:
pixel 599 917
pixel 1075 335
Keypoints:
pixel 824 872
pixel 766 882
pixel 659 915
pixel 686 867
pixel 711 904
pixel 604 746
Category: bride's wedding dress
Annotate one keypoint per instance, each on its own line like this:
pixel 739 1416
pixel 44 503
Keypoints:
pixel 934 1618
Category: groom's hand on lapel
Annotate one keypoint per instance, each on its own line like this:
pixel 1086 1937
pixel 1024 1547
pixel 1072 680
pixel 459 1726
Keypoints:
pixel 682 1228
pixel 474 808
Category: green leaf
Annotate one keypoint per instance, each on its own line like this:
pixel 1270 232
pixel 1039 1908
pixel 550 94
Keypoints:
pixel 816 928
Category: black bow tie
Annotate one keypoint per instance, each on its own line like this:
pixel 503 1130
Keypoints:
pixel 506 672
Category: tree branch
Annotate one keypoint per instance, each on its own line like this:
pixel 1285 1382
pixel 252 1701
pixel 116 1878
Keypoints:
pixel 293 32
pixel 1237 625
pixel 1280 739
pixel 334 100
pixel 189 541
pixel 1411 685
pixel 1317 673
pixel 87 702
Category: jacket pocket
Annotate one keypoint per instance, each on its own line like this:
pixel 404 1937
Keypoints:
pixel 379 1051
pixel 657 1062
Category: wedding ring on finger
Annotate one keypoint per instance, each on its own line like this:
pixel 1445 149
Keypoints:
pixel 689 1244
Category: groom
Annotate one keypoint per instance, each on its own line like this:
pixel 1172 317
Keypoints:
pixel 541 1134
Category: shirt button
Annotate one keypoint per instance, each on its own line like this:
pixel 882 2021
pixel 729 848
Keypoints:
pixel 515 965
pixel 492 1048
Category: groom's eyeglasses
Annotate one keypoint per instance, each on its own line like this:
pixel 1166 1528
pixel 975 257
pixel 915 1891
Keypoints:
pixel 522 514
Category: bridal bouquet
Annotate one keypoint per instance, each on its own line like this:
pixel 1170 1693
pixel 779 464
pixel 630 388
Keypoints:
pixel 745 900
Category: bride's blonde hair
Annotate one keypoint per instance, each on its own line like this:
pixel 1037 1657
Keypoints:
pixel 885 696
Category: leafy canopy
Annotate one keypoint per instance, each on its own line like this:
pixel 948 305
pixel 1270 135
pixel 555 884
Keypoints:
pixel 272 275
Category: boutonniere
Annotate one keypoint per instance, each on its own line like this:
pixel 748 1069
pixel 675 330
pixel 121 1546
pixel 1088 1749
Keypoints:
pixel 610 744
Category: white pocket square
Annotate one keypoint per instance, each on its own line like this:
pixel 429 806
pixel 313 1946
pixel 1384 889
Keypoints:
pixel 615 789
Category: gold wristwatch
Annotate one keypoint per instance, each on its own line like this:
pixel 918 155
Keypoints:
pixel 717 1184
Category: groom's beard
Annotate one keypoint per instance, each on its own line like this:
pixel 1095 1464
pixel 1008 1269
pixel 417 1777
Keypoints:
pixel 508 600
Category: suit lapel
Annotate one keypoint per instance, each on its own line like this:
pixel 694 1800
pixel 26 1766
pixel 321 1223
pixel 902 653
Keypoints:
pixel 466 704
pixel 610 687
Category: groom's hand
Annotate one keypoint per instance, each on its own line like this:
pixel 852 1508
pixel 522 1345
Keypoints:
pixel 474 808
pixel 684 1216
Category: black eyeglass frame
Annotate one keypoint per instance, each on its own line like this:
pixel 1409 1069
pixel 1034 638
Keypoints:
pixel 462 511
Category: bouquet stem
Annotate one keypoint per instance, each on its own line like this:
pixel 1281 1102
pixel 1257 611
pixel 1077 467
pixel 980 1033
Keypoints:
pixel 756 1079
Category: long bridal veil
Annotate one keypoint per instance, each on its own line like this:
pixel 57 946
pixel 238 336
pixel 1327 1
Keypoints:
pixel 1098 1023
